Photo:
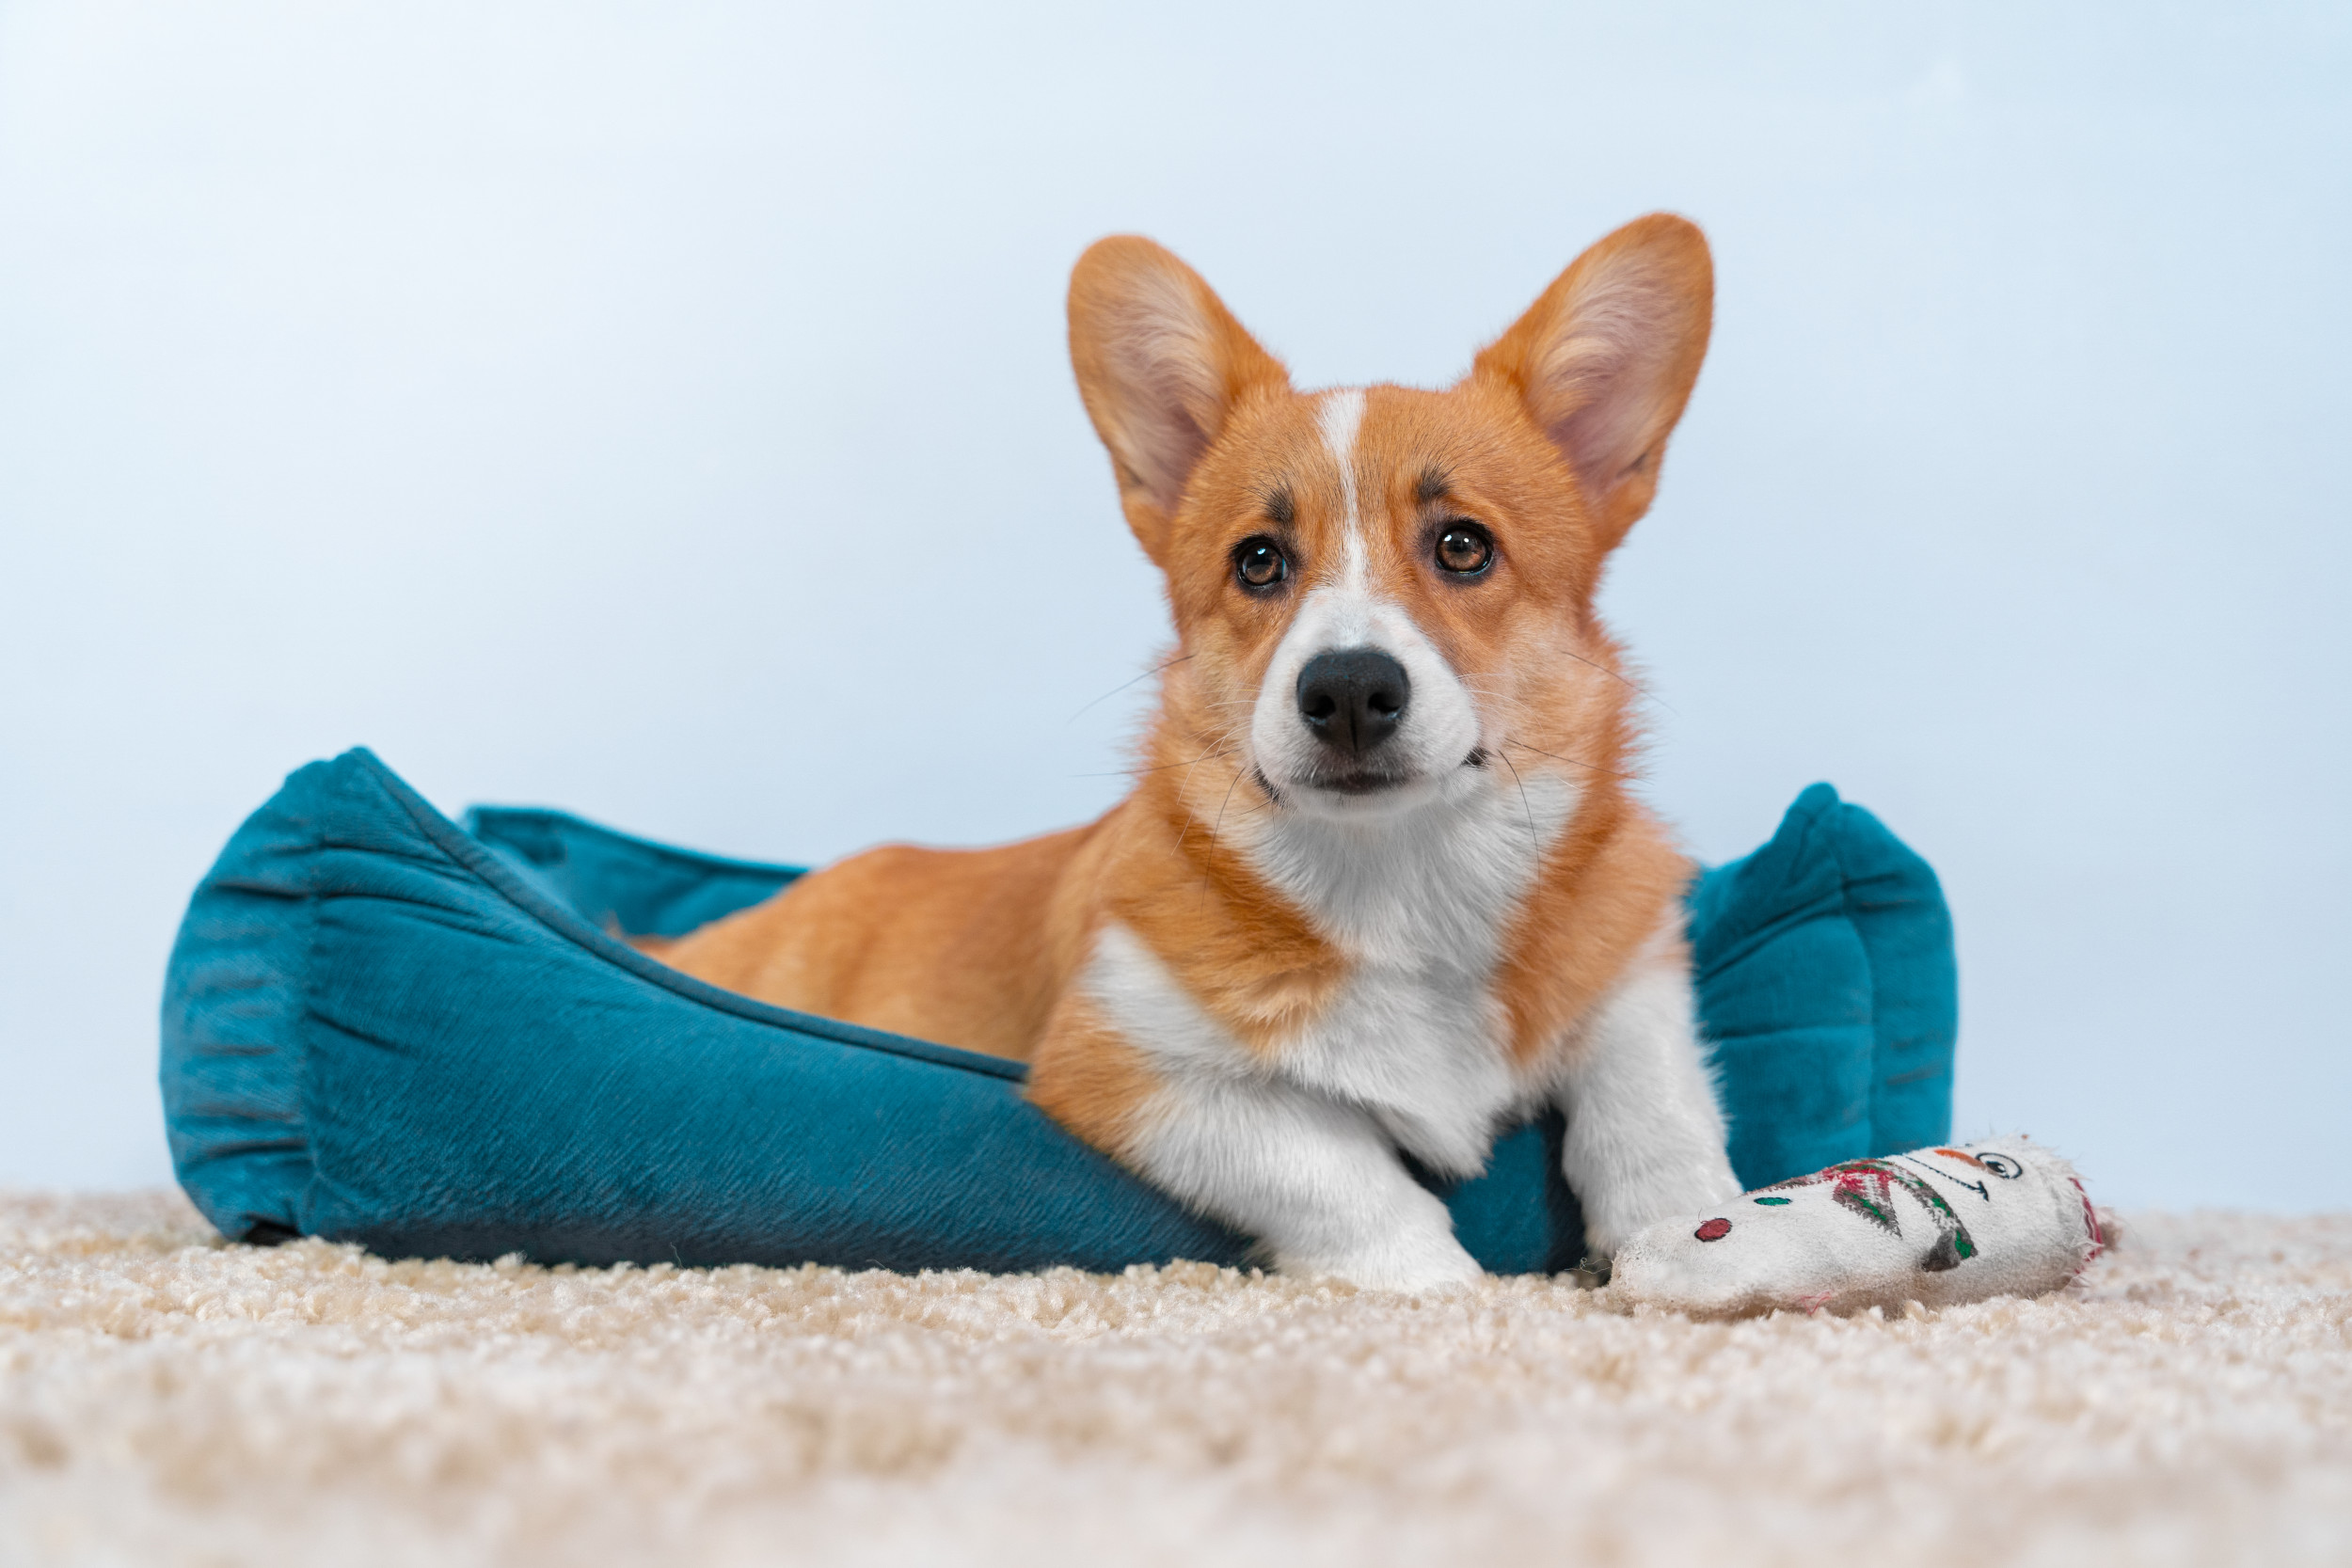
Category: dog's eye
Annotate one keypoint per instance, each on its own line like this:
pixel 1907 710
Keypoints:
pixel 1259 562
pixel 1465 550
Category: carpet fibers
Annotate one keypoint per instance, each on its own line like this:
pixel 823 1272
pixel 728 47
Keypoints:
pixel 167 1398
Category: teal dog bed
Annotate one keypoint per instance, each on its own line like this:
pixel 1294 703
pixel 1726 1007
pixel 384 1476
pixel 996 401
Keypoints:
pixel 381 1028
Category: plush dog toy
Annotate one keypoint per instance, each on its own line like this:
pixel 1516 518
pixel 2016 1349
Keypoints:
pixel 1939 1226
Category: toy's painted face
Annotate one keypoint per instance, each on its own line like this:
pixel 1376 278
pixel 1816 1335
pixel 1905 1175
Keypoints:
pixel 1999 1165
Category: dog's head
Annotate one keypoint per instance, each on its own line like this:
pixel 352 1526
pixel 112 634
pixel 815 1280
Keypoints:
pixel 1377 590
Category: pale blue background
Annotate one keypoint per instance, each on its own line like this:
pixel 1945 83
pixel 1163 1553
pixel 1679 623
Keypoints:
pixel 661 411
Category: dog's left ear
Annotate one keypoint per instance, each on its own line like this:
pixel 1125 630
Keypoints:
pixel 1604 360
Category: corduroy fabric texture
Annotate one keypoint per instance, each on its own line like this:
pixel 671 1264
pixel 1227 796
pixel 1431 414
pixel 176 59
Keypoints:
pixel 378 1027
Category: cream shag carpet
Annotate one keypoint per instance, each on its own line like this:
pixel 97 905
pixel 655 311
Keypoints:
pixel 167 1398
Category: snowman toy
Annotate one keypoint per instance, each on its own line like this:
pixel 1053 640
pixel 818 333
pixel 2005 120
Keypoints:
pixel 1939 1226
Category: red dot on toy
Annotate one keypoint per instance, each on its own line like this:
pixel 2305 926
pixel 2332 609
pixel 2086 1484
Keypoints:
pixel 1713 1230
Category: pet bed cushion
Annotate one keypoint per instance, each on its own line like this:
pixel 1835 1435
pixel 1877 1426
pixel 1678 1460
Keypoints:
pixel 383 1028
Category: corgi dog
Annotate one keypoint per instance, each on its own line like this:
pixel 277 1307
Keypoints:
pixel 1381 889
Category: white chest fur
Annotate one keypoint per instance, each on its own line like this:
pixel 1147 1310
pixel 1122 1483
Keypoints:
pixel 1417 905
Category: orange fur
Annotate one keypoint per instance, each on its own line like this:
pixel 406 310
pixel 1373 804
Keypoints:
pixel 968 947
pixel 1088 1079
pixel 1538 444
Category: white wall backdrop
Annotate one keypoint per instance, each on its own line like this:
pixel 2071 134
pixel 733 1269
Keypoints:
pixel 661 412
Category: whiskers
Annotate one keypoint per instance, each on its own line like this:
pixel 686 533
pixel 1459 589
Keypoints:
pixel 1534 840
pixel 1636 687
pixel 1573 762
pixel 1233 716
pixel 1219 825
pixel 1220 746
pixel 1505 707
pixel 1159 668
pixel 1139 771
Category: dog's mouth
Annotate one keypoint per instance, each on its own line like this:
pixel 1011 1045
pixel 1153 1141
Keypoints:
pixel 1364 783
pixel 1358 782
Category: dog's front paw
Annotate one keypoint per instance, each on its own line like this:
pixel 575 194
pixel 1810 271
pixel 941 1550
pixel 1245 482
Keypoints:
pixel 1633 1203
pixel 1415 1264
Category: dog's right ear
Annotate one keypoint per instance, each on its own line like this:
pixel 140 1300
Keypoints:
pixel 1162 365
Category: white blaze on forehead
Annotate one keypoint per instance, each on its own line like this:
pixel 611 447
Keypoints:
pixel 1341 415
pixel 1347 608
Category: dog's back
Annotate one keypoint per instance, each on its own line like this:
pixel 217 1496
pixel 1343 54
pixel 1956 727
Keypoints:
pixel 968 947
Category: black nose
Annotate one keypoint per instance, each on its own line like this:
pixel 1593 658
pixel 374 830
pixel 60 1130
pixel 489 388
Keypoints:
pixel 1354 699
